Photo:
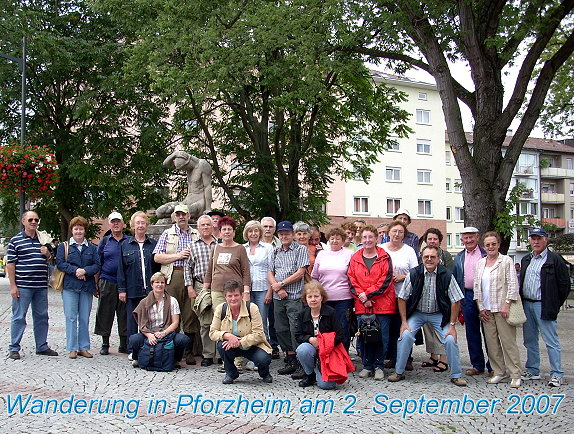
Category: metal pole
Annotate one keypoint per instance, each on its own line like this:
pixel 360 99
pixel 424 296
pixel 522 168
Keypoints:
pixel 23 118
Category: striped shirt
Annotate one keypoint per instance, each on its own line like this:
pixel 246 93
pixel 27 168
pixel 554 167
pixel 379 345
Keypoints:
pixel 531 287
pixel 283 263
pixel 196 265
pixel 259 265
pixel 156 313
pixel 184 241
pixel 428 302
pixel 31 265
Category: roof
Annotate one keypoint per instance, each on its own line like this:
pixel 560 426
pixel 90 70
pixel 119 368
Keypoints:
pixel 533 143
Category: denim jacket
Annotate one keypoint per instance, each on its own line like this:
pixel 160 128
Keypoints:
pixel 88 259
pixel 130 278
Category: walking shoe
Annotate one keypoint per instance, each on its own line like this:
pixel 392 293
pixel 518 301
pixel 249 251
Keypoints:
pixel 221 368
pixel 267 379
pixel 250 366
pixel 135 363
pixel 105 350
pixel 409 365
pixel 299 373
pixel 123 350
pixel 73 355
pixel 206 362
pixel 526 375
pixel 229 379
pixel 275 353
pixel 47 352
pixel 497 379
pixel 308 380
pixel 555 381
pixel 190 359
pixel 14 355
pixel 461 382
pixel 393 378
pixel 389 364
pixel 131 357
pixel 473 371
pixel 290 366
pixel 379 374
pixel 515 382
pixel 365 373
pixel 85 353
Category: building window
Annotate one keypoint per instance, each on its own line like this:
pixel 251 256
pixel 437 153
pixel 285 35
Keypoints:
pixel 572 189
pixel 458 185
pixel 457 240
pixel 395 147
pixel 548 188
pixel 572 214
pixel 423 176
pixel 448 213
pixel 448 185
pixel 458 214
pixel 422 96
pixel 549 213
pixel 423 146
pixel 448 158
pixel 393 205
pixel 423 117
pixel 569 163
pixel 425 207
pixel 448 240
pixel 393 174
pixel 361 205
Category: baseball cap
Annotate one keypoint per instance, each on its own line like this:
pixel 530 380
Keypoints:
pixel 539 231
pixel 115 216
pixel 181 207
pixel 284 226
pixel 469 230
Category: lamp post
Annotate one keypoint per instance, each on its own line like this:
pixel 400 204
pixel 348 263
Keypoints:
pixel 21 61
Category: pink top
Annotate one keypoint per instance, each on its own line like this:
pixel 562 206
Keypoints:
pixel 331 271
pixel 470 261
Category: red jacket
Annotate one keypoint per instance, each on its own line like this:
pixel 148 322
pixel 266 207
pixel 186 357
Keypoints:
pixel 377 283
pixel 335 361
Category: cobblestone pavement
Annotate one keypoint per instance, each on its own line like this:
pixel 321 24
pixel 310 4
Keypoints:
pixel 191 399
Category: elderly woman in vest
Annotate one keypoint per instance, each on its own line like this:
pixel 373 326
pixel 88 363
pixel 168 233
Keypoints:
pixel 238 331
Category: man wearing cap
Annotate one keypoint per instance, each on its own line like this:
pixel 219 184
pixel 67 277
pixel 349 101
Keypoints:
pixel 464 268
pixel 287 269
pixel 109 303
pixel 171 251
pixel 544 287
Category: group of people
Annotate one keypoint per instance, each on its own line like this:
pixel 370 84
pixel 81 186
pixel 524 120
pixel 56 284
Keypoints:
pixel 295 291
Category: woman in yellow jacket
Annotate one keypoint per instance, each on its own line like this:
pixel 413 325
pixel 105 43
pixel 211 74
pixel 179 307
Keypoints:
pixel 238 330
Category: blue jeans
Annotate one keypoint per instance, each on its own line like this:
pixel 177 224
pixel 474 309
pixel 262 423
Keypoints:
pixel 473 331
pixel 258 297
pixel 180 341
pixel 405 343
pixel 547 329
pixel 373 354
pixel 307 355
pixel 258 356
pixel 38 298
pixel 343 309
pixel 77 309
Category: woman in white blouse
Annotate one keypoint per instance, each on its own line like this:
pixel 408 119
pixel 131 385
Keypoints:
pixel 495 288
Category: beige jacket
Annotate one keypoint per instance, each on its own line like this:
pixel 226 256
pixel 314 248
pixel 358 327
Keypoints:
pixel 251 332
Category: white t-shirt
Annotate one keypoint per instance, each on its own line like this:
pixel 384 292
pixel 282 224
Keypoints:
pixel 485 286
pixel 403 260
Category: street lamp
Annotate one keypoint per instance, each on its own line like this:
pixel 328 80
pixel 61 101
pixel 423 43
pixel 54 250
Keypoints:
pixel 21 61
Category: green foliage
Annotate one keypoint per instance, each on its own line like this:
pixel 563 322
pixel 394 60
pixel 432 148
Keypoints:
pixel 507 220
pixel 259 93
pixel 108 132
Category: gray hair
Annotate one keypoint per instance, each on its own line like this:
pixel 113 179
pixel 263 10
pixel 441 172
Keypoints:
pixel 269 218
pixel 302 227
pixel 203 217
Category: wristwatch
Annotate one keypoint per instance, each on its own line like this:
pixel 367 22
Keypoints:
pixel 508 301
pixel 452 324
pixel 282 284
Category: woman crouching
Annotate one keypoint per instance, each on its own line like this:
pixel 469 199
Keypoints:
pixel 320 335
pixel 238 330
pixel 157 316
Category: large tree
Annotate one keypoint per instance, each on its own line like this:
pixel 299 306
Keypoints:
pixel 489 36
pixel 106 130
pixel 257 92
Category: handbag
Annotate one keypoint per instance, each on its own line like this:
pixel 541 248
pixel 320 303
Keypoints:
pixel 516 315
pixel 57 279
pixel 158 357
pixel 369 328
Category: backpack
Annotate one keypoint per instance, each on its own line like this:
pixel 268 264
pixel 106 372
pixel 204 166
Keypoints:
pixel 158 357
pixel 224 310
pixel 370 329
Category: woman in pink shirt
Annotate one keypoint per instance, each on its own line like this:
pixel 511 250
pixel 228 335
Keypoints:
pixel 330 270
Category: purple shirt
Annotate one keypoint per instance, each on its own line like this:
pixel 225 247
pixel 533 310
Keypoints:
pixel 331 271
pixel 470 261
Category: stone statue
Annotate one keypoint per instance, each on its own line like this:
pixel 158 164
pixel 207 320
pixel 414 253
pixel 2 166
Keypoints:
pixel 199 193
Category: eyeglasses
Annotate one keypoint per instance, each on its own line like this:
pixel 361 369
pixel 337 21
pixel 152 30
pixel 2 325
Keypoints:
pixel 30 220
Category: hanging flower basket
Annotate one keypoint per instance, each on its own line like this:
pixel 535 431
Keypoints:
pixel 32 169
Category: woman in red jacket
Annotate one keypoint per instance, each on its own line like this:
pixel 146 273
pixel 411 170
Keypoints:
pixel 371 276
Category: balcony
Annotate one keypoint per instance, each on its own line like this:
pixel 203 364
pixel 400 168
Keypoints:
pixel 552 198
pixel 561 223
pixel 556 172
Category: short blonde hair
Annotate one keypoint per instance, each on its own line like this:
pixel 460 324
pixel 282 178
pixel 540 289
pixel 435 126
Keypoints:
pixel 133 219
pixel 157 276
pixel 314 286
pixel 251 225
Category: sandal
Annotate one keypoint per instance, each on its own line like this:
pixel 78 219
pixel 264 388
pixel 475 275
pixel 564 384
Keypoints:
pixel 428 364
pixel 442 368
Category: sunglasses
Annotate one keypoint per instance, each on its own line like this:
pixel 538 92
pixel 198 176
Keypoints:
pixel 30 220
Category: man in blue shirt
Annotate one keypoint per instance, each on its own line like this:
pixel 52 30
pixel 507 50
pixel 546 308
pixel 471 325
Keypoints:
pixel 27 268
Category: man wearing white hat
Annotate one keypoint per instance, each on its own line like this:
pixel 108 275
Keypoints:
pixel 171 251
pixel 464 268
pixel 109 303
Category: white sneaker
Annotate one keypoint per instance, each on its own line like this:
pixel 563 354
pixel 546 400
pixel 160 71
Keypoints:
pixel 365 373
pixel 555 381
pixel 135 363
pixel 130 357
pixel 250 366
pixel 529 376
pixel 379 374
pixel 515 382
